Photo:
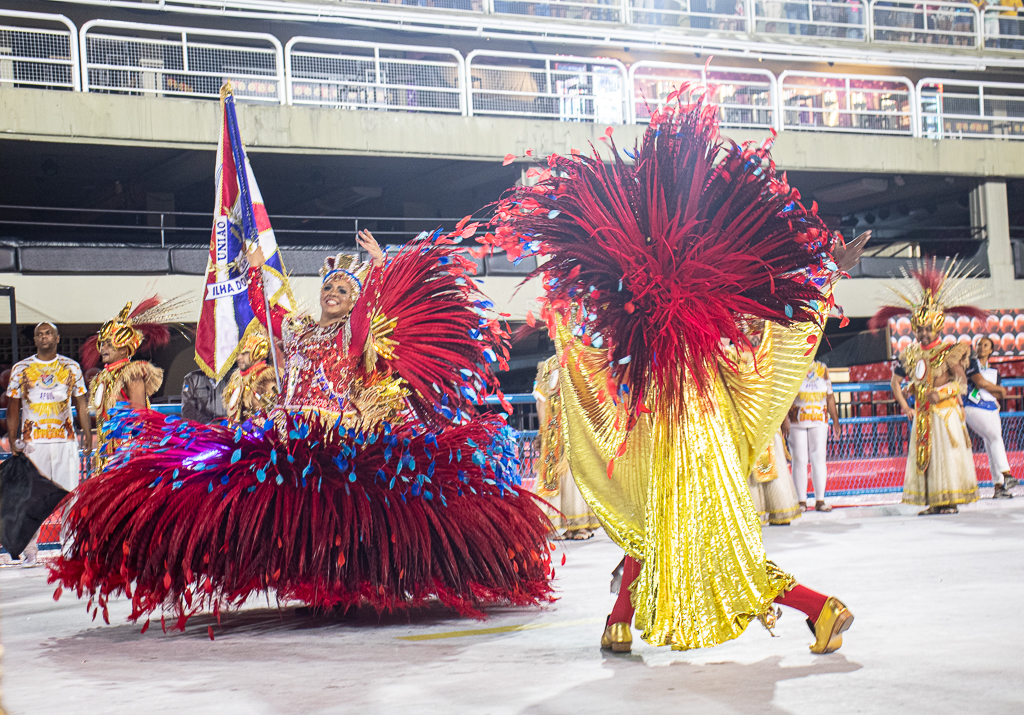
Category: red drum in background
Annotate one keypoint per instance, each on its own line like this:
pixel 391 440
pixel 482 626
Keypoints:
pixel 1018 323
pixel 992 323
pixel 1020 342
pixel 949 325
pixel 1009 342
pixel 1006 323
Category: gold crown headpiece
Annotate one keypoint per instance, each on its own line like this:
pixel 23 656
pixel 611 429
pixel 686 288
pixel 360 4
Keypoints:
pixel 120 333
pixel 348 265
pixel 929 291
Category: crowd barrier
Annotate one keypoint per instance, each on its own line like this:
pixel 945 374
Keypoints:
pixel 869 458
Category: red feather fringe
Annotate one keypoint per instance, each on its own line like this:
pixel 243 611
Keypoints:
pixel 193 516
pixel 665 255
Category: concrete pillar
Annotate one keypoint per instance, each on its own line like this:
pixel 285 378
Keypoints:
pixel 989 209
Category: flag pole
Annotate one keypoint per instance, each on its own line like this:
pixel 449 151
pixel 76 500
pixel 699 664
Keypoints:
pixel 250 235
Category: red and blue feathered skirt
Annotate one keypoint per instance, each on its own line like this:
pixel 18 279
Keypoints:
pixel 188 516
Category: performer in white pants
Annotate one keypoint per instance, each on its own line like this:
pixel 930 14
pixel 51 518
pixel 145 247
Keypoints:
pixel 39 414
pixel 981 410
pixel 808 433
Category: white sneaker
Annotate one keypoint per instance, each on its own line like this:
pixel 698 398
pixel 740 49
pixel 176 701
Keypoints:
pixel 30 557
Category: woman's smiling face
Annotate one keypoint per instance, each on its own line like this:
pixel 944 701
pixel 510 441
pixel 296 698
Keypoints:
pixel 335 298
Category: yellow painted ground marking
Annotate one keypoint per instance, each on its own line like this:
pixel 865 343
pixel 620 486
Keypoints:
pixel 500 629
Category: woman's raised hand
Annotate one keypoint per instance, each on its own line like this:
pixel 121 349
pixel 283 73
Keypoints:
pixel 256 259
pixel 369 244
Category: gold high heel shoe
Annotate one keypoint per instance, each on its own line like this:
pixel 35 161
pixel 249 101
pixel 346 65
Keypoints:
pixel 834 618
pixel 617 638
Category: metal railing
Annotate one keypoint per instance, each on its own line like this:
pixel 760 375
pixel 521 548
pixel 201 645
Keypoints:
pixel 570 89
pixel 934 23
pixel 44 56
pixel 162 60
pixel 863 104
pixel 962 108
pixel 610 11
pixel 720 16
pixel 839 20
pixel 167 61
pixel 192 228
pixel 349 74
pixel 1002 28
pixel 745 98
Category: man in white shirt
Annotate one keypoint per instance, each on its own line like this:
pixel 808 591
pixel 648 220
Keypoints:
pixel 39 414
pixel 808 433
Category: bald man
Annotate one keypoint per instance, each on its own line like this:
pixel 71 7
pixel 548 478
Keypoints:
pixel 39 414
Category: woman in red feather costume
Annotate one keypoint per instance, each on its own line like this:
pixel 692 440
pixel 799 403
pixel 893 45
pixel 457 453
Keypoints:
pixel 376 481
pixel 654 270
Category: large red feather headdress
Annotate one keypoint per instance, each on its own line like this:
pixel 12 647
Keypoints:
pixel 659 260
pixel 928 292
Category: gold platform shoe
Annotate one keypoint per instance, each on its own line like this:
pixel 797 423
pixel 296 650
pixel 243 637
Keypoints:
pixel 617 638
pixel 828 630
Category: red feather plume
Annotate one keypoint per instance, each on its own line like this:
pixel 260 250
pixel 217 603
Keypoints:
pixel 444 341
pixel 661 258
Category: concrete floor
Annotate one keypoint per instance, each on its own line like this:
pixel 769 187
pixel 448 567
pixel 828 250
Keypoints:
pixel 938 630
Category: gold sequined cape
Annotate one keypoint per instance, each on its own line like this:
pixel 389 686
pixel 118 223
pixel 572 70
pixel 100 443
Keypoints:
pixel 251 393
pixel 678 498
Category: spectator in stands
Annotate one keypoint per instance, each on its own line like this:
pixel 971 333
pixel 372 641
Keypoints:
pixel 1009 25
pixel 202 398
pixel 39 414
pixel 797 11
pixel 981 408
pixel 808 433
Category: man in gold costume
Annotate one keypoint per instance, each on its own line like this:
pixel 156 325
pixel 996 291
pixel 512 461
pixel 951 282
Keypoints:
pixel 940 465
pixel 122 379
pixel 651 265
pixel 252 388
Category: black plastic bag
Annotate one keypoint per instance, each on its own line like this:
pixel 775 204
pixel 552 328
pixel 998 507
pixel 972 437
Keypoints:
pixel 27 498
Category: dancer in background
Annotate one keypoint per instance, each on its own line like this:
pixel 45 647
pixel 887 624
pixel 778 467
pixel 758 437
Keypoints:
pixel 39 424
pixel 940 466
pixel 649 266
pixel 252 389
pixel 808 433
pixel 981 409
pixel 771 485
pixel 554 480
pixel 123 379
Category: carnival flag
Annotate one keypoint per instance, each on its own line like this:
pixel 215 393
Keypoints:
pixel 240 224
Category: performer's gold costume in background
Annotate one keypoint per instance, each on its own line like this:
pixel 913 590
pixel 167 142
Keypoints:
pixel 555 483
pixel 771 485
pixel 940 465
pixel 678 499
pixel 254 389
